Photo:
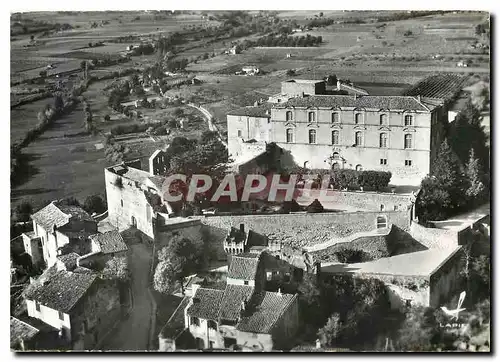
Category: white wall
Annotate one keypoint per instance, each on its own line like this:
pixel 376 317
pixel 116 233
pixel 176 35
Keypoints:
pixel 48 315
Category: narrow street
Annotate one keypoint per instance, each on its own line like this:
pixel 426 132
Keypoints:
pixel 133 332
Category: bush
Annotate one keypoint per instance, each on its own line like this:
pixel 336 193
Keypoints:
pixel 374 180
pixel 345 179
pixel 107 118
pixel 315 206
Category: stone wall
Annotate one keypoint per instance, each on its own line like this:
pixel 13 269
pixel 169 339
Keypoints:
pixel 445 280
pixel 433 237
pixel 302 229
pixel 374 247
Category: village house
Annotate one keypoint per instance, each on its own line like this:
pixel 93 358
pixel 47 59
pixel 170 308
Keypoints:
pixel 242 315
pixel 74 301
pixel 240 241
pixel 399 134
pixel 58 229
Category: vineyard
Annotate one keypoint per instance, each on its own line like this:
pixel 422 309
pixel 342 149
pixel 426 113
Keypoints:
pixel 444 86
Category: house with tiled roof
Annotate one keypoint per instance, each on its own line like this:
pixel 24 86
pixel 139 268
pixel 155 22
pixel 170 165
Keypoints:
pixel 239 240
pixel 242 314
pixel 398 134
pixel 109 243
pixel 58 229
pixel 74 301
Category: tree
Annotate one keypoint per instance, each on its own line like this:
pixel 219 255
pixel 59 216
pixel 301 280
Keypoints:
pixel 116 268
pixel 83 64
pixel 443 193
pixel 58 102
pixel 290 72
pixel 331 80
pixel 477 191
pixel 419 331
pixel 95 203
pixel 180 258
pixel 22 212
pixel 329 334
pixel 466 132
pixel 43 73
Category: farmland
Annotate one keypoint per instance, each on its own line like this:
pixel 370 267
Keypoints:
pixel 385 58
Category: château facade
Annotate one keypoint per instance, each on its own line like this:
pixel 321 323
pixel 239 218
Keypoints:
pixel 400 134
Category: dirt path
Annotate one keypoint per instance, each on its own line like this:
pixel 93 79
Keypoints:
pixel 134 331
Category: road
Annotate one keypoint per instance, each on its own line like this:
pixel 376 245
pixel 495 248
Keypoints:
pixel 208 116
pixel 133 332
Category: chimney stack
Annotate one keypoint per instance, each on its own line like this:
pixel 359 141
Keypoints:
pixel 242 228
pixel 418 97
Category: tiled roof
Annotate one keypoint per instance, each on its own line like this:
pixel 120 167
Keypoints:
pixel 264 311
pixel 20 330
pixel 109 242
pixel 57 214
pixel 206 303
pixel 370 102
pixel 256 239
pixel 61 290
pixel 231 300
pixel 259 111
pixel 175 324
pixel 243 266
pixel 69 260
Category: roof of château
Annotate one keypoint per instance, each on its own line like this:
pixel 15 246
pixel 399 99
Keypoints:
pixel 244 266
pixel 261 111
pixel 58 214
pixel 269 307
pixel 206 303
pixel 62 290
pixel 401 103
pixel 109 242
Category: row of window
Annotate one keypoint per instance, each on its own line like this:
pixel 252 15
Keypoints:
pixel 383 161
pixel 358 138
pixel 358 118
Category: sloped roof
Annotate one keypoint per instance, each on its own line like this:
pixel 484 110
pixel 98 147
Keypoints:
pixel 259 111
pixel 62 290
pixel 175 324
pixel 20 330
pixel 109 242
pixel 269 307
pixel 345 101
pixel 69 260
pixel 243 266
pixel 57 214
pixel 206 303
pixel 231 300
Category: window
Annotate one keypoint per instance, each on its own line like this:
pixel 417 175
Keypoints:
pixel 359 168
pixel 312 136
pixel 382 207
pixel 61 316
pixel 358 139
pixel 408 120
pixel 395 207
pixel 289 116
pixel 211 344
pixel 335 137
pixel 245 282
pixel 133 221
pixel 240 134
pixel 383 119
pixel 336 156
pixel 407 162
pixel 381 222
pixel 195 321
pixel 383 161
pixel 383 140
pixel 289 135
pixel 212 324
pixel 311 117
pixel 228 342
pixel 358 118
pixel 335 118
pixel 121 202
pixel 269 275
pixel 336 166
pixel 408 141
pixel 37 306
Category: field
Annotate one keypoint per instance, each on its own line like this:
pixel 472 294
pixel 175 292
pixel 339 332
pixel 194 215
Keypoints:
pixel 383 58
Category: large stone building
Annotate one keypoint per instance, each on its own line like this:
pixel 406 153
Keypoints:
pixel 400 134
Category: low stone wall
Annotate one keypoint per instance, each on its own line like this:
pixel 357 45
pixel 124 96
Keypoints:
pixel 298 230
pixel 432 237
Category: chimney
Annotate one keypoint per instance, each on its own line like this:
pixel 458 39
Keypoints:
pixel 279 292
pixel 242 228
pixel 418 97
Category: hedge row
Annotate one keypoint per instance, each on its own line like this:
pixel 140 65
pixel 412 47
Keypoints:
pixel 354 180
pixel 133 128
